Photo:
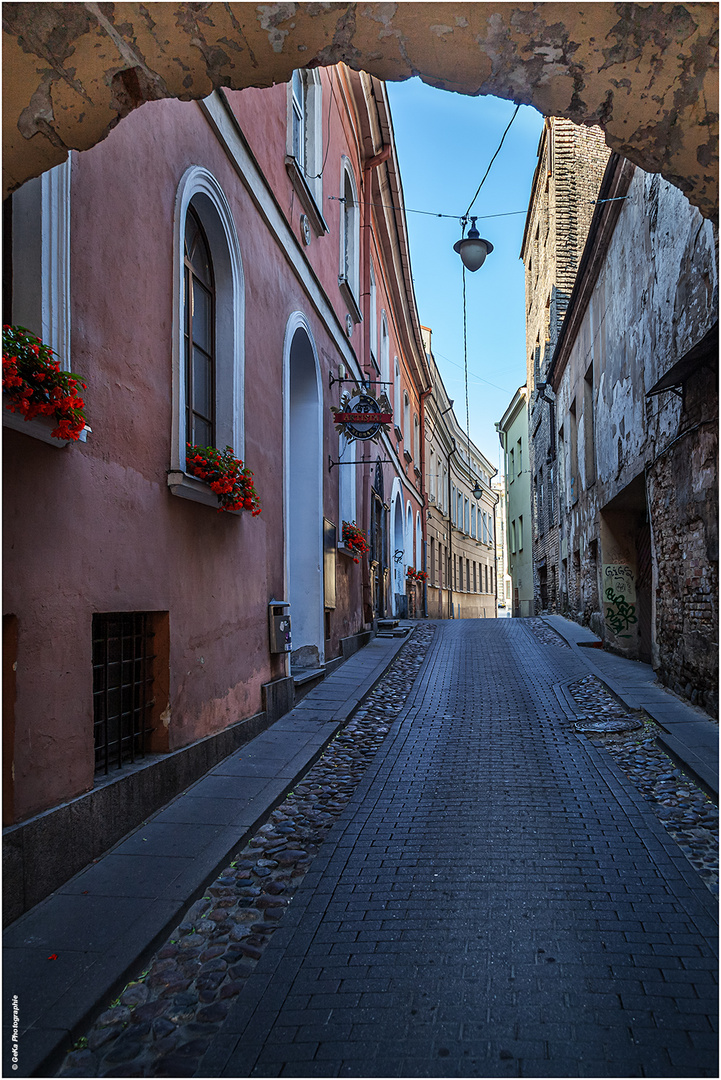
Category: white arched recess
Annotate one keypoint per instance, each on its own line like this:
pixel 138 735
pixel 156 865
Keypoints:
pixel 209 201
pixel 409 536
pixel 303 491
pixel 419 542
pixel 398 567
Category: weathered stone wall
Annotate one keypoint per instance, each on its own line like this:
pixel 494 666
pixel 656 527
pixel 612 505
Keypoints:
pixel 644 504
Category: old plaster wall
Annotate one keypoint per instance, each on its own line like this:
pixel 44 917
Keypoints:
pixel 655 297
pixel 94 526
pixel 646 72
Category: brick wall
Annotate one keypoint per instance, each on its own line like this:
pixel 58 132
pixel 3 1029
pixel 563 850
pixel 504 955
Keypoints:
pixel 683 505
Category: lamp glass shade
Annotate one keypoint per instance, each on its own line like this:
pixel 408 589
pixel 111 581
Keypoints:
pixel 473 251
pixel 477 491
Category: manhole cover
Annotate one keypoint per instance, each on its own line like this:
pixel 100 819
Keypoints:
pixel 607 727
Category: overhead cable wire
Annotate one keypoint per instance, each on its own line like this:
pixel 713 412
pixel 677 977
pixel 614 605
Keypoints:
pixel 478 189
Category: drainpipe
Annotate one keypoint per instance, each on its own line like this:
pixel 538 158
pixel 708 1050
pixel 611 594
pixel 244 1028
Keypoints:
pixel 368 167
pixel 424 521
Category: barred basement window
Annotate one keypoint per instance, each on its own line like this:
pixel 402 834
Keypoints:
pixel 123 694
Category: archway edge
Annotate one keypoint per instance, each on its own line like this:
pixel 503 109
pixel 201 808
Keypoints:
pixel 647 73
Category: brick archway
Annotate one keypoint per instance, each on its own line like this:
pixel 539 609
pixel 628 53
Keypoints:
pixel 647 73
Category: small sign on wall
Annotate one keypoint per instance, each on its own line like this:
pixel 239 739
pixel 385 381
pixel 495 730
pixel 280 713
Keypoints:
pixel 619 599
pixel 330 539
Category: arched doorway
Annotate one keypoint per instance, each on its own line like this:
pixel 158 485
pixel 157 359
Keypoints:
pixel 399 551
pixel 303 495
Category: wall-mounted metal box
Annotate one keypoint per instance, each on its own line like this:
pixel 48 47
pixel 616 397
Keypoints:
pixel 279 626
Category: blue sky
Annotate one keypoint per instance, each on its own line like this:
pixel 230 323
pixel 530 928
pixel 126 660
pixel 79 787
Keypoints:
pixel 445 142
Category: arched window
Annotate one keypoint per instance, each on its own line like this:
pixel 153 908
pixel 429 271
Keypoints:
pixel 406 423
pixel 416 441
pixel 385 354
pixel 396 394
pixel 208 347
pixel 348 278
pixel 199 324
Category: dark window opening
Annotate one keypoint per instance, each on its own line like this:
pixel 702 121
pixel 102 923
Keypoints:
pixel 199 305
pixel 123 697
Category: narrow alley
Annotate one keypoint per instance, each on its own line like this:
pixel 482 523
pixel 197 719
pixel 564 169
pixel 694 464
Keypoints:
pixel 494 902
pixel 496 899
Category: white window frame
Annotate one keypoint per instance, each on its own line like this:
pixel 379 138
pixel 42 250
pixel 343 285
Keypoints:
pixel 384 349
pixel 373 328
pixel 305 169
pixel 41 278
pixel 349 274
pixel 346 482
pixel 397 396
pixel 406 423
pixel 200 187
pixel 416 441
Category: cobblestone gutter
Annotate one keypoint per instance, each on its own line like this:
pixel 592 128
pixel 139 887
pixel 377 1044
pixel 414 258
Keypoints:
pixel 162 1022
pixel 684 809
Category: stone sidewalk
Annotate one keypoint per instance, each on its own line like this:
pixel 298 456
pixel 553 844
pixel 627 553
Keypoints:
pixel 79 945
pixel 495 900
pixel 690 736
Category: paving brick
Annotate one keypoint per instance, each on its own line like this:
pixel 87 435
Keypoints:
pixel 483 833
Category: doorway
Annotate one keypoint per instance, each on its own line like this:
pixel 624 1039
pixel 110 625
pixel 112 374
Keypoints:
pixel 303 498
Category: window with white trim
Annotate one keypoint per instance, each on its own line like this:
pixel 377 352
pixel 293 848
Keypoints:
pixel 372 329
pixel 396 394
pixel 36 274
pixel 385 350
pixel 208 345
pixel 416 441
pixel 346 480
pixel 406 423
pixel 348 278
pixel 304 145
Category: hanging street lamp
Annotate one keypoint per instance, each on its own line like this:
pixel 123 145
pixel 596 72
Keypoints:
pixel 473 249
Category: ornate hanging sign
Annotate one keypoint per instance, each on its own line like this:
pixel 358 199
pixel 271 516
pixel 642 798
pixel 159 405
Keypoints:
pixel 362 417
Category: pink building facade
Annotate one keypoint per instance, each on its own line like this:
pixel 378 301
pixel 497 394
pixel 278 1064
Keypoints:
pixel 211 270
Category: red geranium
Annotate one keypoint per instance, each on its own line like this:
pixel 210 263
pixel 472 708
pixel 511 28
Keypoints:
pixel 354 538
pixel 226 475
pixel 34 384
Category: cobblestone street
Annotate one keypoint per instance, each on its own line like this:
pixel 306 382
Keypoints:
pixel 494 897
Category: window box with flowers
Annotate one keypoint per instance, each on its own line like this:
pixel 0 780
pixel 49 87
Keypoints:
pixel 226 476
pixel 355 541
pixel 414 577
pixel 37 392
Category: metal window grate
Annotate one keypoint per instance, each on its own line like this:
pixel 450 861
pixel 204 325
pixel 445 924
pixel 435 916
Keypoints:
pixel 122 687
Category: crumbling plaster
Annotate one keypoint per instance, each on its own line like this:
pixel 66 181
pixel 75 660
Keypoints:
pixel 647 73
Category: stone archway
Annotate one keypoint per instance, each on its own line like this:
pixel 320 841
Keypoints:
pixel 647 73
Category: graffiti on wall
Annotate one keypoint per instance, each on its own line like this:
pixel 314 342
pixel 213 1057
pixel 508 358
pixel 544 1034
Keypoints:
pixel 619 594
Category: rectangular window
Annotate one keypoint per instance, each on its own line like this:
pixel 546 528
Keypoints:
pixel 486 574
pixel 373 320
pixel 433 561
pixel 466 517
pixel 512 537
pixel 123 696
pixel 511 466
pixel 475 577
pixel 520 532
pixel 473 519
pixel 519 456
pixel 589 435
pixel 468 575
